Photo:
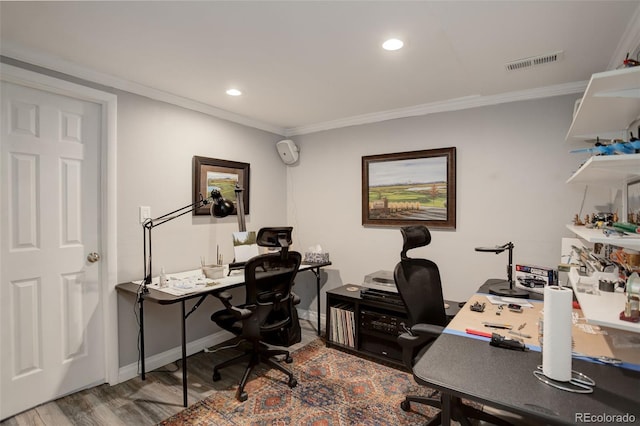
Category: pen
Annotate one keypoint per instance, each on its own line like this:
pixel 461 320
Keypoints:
pixel 501 326
pixel 478 333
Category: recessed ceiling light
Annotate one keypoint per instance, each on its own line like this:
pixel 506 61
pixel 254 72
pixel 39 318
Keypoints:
pixel 392 44
pixel 234 92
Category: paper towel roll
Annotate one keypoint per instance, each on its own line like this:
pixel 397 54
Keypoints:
pixel 556 338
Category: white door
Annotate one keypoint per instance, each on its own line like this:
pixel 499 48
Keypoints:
pixel 52 340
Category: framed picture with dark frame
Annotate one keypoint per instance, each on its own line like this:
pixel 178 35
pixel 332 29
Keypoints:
pixel 209 173
pixel 410 188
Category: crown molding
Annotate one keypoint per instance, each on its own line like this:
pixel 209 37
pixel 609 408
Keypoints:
pixel 55 64
pixel 443 106
pixel 92 76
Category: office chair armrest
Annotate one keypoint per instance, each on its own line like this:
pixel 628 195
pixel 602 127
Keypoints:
pixel 224 296
pixel 427 330
pixel 419 336
pixel 240 313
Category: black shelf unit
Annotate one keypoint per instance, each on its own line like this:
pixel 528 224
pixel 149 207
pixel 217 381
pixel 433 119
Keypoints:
pixel 376 340
pixel 376 325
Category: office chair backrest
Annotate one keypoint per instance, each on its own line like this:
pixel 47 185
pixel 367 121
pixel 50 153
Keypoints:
pixel 275 237
pixel 269 278
pixel 418 280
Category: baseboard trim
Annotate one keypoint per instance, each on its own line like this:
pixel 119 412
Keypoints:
pixel 312 316
pixel 131 371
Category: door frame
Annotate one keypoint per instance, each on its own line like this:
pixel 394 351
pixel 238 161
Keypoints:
pixel 108 200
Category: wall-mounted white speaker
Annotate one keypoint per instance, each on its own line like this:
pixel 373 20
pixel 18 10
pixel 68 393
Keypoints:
pixel 288 151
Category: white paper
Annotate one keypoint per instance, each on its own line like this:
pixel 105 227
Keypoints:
pixel 499 300
pixel 182 283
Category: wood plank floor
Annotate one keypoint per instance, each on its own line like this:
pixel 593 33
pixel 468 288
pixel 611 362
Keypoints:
pixel 142 402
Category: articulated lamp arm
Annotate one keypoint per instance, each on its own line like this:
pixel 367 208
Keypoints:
pixel 149 224
pixel 220 207
pixel 510 290
pixel 499 249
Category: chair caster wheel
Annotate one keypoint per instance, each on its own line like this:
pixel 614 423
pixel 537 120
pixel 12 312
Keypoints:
pixel 288 359
pixel 242 396
pixel 216 376
pixel 405 405
pixel 293 382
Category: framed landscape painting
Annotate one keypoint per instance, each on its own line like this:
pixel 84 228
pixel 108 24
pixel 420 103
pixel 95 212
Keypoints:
pixel 210 173
pixel 410 188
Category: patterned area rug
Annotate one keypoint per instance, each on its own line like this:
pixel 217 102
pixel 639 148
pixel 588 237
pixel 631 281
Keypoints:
pixel 334 388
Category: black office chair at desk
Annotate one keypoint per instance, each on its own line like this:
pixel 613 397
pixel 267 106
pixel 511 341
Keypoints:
pixel 268 315
pixel 419 285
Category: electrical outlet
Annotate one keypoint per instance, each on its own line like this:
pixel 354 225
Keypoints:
pixel 145 213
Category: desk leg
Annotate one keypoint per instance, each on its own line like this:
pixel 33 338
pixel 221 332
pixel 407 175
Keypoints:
pixel 141 333
pixel 446 409
pixel 184 356
pixel 316 272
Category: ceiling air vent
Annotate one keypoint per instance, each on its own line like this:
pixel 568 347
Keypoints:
pixel 534 60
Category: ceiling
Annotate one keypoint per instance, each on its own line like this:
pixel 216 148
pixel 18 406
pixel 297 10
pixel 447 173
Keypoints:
pixel 305 66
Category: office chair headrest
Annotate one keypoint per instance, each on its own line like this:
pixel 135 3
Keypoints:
pixel 275 237
pixel 414 236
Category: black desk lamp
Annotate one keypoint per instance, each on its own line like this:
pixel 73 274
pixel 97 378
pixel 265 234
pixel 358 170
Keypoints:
pixel 499 288
pixel 220 207
pixel 242 227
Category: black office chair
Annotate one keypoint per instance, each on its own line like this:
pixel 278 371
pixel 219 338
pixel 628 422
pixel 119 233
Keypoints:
pixel 268 314
pixel 419 285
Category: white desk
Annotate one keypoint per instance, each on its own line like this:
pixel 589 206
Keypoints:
pixel 164 298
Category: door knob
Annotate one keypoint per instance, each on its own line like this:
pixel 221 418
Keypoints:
pixel 93 257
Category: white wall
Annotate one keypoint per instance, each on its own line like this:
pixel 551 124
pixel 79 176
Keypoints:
pixel 156 143
pixel 512 164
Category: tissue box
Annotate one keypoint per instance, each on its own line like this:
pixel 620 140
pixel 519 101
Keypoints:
pixel 310 257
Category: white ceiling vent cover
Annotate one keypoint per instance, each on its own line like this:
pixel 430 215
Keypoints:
pixel 534 60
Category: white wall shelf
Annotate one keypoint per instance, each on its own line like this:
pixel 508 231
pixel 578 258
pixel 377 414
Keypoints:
pixel 610 104
pixel 597 236
pixel 602 308
pixel 608 170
